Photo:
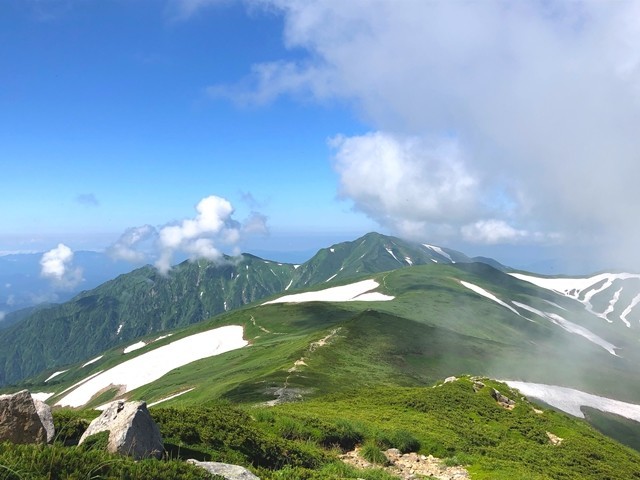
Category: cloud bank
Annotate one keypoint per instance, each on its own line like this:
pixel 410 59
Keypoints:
pixel 516 120
pixel 202 236
pixel 57 266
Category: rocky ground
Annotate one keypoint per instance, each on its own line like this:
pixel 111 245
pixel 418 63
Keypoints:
pixel 410 466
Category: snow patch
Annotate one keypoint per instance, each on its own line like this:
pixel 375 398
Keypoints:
pixel 331 278
pixel 490 296
pixel 42 396
pixel 570 400
pixel 55 374
pixel 151 366
pixel 390 252
pixel 408 260
pixel 628 310
pixel 359 291
pixel 439 251
pixel 93 360
pixel 570 327
pixel 576 287
pixel 332 250
pixel 135 346
pixel 170 397
pixel 119 329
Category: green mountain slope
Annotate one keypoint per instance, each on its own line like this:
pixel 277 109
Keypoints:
pixel 437 325
pixel 371 253
pixel 144 302
pixel 133 305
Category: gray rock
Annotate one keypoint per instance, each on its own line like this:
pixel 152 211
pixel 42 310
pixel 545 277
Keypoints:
pixel 230 472
pixel 131 429
pixel 19 419
pixel 44 412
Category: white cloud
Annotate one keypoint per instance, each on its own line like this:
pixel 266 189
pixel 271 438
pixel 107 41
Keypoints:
pixel 213 227
pixel 544 98
pixel 57 265
pixel 493 231
pixel 405 183
pixel 128 246
pixel 196 236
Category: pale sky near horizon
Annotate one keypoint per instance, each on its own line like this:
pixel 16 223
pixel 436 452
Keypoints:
pixel 196 126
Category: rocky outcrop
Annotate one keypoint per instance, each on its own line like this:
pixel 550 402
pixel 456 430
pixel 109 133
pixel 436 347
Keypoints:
pixel 230 472
pixel 554 439
pixel 44 412
pixel 131 429
pixel 24 420
pixel 502 400
pixel 410 466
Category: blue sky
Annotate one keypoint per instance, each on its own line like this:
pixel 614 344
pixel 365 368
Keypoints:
pixel 106 101
pixel 499 129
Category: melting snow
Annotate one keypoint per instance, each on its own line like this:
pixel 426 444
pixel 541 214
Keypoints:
pixel 119 329
pixel 392 254
pixel 295 267
pixel 163 336
pixel 170 397
pixel 359 291
pixel 490 296
pixel 42 396
pixel 571 327
pixel 152 365
pixel 81 382
pixel 331 278
pixel 135 346
pixel 575 287
pixel 570 400
pixel 408 260
pixel 54 375
pixel 439 251
pixel 94 360
pixel 627 310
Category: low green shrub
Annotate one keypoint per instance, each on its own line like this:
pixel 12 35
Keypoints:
pixel 371 451
pixel 97 441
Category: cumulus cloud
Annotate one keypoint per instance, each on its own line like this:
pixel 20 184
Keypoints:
pixel 543 98
pixel 406 184
pixel 57 265
pixel 203 236
pixel 128 246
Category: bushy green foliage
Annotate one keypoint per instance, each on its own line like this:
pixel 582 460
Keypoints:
pixel 371 451
pixel 70 424
pixel 56 462
pixel 230 435
pixel 453 422
pixel 97 441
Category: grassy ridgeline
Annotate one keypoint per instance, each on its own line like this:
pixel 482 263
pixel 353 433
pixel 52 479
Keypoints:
pixel 302 440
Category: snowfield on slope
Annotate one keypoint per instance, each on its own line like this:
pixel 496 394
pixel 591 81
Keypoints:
pixel 489 295
pixel 583 289
pixel 151 366
pixel 359 291
pixel 570 400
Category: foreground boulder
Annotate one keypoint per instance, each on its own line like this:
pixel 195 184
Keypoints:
pixel 25 420
pixel 230 472
pixel 131 429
